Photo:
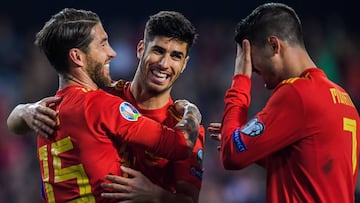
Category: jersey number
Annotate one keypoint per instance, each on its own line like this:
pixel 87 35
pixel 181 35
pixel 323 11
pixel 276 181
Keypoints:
pixel 350 125
pixel 63 174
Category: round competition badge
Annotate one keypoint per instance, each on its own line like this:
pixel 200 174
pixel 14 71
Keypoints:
pixel 129 112
pixel 253 128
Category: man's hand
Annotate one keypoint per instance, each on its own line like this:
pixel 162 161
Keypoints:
pixel 243 63
pixel 38 117
pixel 183 106
pixel 190 121
pixel 215 132
pixel 136 189
pixel 180 105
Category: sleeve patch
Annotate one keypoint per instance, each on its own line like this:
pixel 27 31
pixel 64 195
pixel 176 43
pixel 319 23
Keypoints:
pixel 200 156
pixel 197 172
pixel 238 142
pixel 129 112
pixel 253 128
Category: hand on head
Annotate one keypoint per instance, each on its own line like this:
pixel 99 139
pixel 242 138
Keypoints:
pixel 243 63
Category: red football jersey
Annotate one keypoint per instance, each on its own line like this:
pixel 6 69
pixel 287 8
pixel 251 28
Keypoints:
pixel 93 125
pixel 158 169
pixel 306 137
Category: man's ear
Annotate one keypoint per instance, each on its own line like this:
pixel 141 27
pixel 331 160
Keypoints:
pixel 140 49
pixel 185 63
pixel 77 57
pixel 275 44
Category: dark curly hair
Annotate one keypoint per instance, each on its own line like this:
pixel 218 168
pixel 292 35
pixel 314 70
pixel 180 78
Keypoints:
pixel 170 24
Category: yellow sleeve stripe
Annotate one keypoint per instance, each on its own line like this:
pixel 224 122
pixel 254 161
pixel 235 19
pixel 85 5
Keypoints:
pixel 119 86
pixel 174 113
pixel 290 80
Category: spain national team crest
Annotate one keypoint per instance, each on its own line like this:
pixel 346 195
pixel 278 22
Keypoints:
pixel 129 112
pixel 253 128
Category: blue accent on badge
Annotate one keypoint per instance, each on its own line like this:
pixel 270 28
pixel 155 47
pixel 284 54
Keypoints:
pixel 197 172
pixel 200 155
pixel 253 128
pixel 238 142
pixel 129 112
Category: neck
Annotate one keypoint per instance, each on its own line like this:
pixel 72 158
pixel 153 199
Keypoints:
pixel 66 80
pixel 299 60
pixel 148 99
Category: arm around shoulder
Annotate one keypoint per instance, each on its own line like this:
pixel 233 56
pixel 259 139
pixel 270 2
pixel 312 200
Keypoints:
pixel 15 121
pixel 30 117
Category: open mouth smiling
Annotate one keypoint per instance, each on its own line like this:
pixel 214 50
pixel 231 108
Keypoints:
pixel 159 74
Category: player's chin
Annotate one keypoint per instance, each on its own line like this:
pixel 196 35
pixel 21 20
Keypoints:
pixel 158 87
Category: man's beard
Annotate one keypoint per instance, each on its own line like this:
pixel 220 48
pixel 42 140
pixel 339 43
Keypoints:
pixel 96 73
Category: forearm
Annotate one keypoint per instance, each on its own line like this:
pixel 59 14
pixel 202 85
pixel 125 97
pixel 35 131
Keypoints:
pixel 139 188
pixel 15 121
pixel 190 124
pixel 237 101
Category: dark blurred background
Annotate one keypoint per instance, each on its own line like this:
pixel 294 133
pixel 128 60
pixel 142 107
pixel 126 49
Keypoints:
pixel 331 31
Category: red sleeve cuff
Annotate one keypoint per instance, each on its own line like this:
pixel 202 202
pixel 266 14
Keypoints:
pixel 241 81
pixel 239 91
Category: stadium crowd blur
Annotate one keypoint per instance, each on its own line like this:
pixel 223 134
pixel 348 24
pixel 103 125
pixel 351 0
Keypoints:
pixel 26 76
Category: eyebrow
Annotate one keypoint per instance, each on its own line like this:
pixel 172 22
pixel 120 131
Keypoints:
pixel 104 39
pixel 173 52
pixel 179 53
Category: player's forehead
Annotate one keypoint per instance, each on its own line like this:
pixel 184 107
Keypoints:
pixel 98 33
pixel 168 43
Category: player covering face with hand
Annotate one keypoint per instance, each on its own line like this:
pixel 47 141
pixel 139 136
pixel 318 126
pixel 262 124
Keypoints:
pixel 306 136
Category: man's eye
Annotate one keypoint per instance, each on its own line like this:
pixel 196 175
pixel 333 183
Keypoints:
pixel 177 57
pixel 104 44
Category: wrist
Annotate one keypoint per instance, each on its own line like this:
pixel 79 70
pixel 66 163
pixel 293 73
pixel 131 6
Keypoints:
pixel 193 112
pixel 160 195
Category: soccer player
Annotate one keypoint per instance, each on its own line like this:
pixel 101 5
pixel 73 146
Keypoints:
pixel 306 137
pixel 93 124
pixel 163 54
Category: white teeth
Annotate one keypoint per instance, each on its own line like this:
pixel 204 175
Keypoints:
pixel 159 74
pixel 107 65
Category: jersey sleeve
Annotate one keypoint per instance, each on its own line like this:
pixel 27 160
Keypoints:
pixel 270 130
pixel 111 116
pixel 191 169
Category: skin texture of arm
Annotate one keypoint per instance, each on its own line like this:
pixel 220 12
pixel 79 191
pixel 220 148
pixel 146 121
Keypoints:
pixel 16 123
pixel 34 117
pixel 190 121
